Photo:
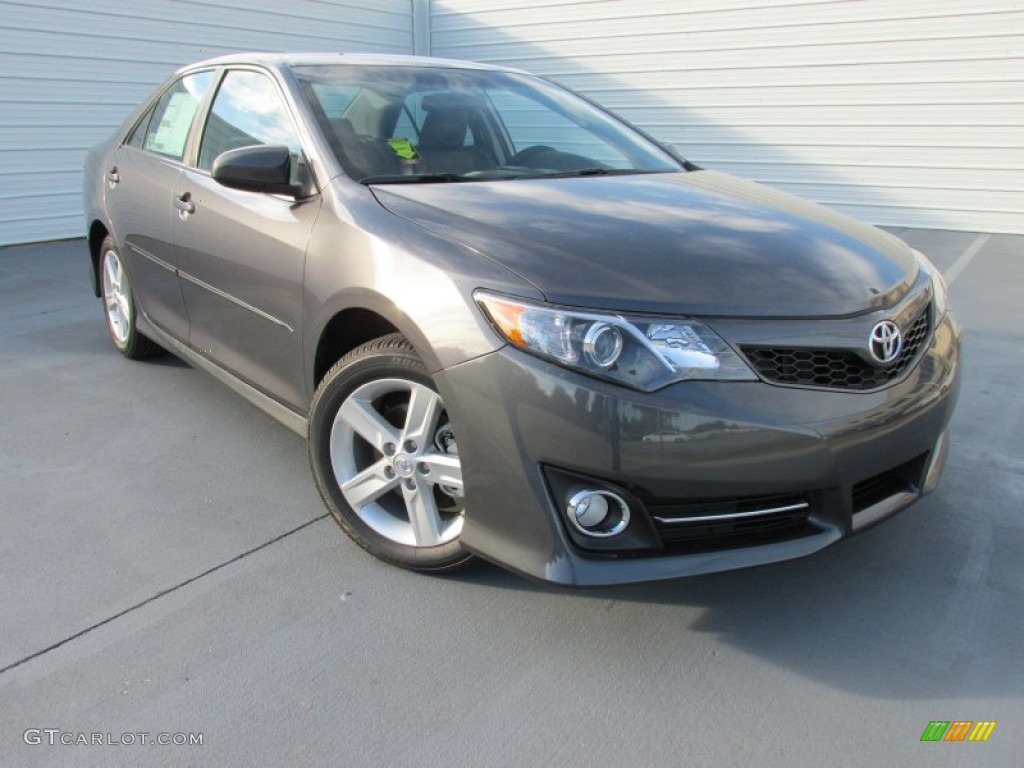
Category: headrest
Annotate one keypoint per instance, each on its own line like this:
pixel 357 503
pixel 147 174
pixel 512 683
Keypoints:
pixel 449 101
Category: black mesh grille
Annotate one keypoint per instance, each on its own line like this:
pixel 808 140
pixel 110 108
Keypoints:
pixel 840 369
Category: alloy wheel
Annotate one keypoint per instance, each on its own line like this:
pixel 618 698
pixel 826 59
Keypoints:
pixel 395 460
pixel 117 297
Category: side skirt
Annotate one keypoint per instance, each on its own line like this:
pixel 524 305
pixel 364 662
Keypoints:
pixel 294 421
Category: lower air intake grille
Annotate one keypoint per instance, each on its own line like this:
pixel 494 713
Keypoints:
pixel 726 524
pixel 902 479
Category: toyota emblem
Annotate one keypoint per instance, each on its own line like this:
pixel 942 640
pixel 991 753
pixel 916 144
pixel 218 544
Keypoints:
pixel 886 342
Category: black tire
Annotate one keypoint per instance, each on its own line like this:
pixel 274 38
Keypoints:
pixel 119 305
pixel 382 378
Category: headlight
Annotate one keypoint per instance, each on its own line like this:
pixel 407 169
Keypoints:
pixel 644 353
pixel 940 290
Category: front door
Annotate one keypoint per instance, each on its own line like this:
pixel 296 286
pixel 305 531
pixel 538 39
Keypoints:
pixel 241 254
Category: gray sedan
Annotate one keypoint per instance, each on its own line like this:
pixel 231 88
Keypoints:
pixel 513 326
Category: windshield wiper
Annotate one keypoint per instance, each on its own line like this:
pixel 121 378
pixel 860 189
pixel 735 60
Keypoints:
pixel 416 178
pixel 495 175
pixel 585 172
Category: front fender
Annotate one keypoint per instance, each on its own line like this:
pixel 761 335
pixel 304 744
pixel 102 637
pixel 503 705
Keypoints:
pixel 420 282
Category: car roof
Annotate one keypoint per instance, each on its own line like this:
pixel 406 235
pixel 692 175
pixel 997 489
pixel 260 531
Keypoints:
pixel 282 60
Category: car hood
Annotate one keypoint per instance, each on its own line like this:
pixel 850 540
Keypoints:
pixel 699 243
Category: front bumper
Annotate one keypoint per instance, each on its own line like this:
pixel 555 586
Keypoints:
pixel 524 426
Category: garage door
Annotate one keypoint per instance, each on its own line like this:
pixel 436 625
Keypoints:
pixel 69 73
pixel 902 112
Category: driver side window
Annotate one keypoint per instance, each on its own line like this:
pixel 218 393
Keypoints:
pixel 246 111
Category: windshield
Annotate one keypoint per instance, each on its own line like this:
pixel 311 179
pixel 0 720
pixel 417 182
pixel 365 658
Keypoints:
pixel 422 124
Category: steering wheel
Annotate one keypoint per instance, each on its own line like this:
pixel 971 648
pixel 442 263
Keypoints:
pixel 523 156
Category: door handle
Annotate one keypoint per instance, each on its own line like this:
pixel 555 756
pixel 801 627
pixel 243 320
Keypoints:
pixel 185 204
pixel 113 176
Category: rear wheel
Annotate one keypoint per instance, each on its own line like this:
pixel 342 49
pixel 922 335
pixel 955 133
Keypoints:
pixel 385 459
pixel 119 306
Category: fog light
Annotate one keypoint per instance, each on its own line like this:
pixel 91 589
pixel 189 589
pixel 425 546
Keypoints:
pixel 598 513
pixel 592 511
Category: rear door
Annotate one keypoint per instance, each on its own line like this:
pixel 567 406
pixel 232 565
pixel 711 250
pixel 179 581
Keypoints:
pixel 241 254
pixel 141 178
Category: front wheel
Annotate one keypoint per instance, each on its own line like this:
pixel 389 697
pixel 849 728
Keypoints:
pixel 385 459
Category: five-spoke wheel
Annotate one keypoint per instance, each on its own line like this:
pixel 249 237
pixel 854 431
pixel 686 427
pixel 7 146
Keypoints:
pixel 385 457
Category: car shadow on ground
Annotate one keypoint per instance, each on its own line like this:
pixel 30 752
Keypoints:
pixel 913 608
pixel 924 605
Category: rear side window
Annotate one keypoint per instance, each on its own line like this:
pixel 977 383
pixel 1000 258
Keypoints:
pixel 246 111
pixel 172 116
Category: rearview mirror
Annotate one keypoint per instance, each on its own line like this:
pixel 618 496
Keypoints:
pixel 259 168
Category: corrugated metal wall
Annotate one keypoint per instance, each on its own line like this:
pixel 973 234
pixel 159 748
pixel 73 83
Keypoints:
pixel 904 112
pixel 70 72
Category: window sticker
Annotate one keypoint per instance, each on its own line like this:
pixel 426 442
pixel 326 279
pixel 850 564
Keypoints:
pixel 172 133
pixel 404 149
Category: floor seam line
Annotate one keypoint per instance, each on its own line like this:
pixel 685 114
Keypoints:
pixel 966 258
pixel 160 594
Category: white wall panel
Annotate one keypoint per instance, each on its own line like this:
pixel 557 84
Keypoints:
pixel 906 112
pixel 70 72
pixel 903 112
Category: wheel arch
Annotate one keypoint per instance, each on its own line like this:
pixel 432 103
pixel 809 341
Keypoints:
pixel 343 332
pixel 441 334
pixel 357 323
pixel 97 234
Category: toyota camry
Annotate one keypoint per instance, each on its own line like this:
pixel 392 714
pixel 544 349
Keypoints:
pixel 513 326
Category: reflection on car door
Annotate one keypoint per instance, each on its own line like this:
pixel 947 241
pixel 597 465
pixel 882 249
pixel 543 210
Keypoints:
pixel 241 254
pixel 140 181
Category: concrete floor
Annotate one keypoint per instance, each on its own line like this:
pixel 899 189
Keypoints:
pixel 166 567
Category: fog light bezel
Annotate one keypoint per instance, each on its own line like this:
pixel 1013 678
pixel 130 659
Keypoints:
pixel 638 539
pixel 617 506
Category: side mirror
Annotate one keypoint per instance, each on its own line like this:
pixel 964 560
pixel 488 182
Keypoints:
pixel 259 168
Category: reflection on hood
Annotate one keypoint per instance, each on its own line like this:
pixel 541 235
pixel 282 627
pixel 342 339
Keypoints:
pixel 700 243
